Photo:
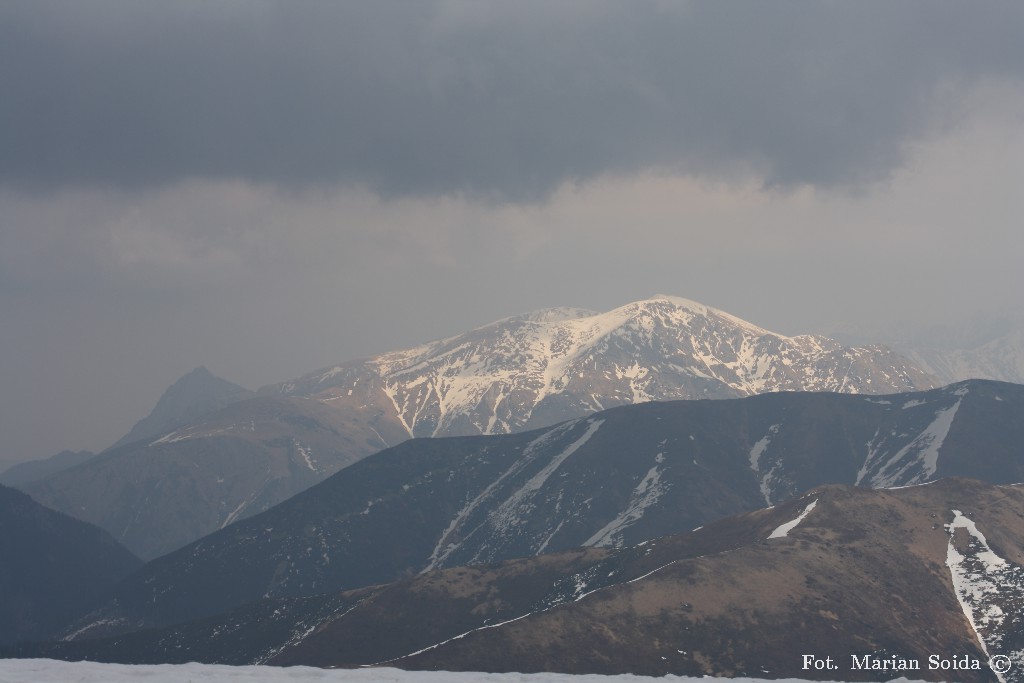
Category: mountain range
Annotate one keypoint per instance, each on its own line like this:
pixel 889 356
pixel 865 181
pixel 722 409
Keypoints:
pixel 925 581
pixel 581 506
pixel 1001 358
pixel 184 471
pixel 157 494
pixel 548 366
pixel 27 472
pixel 609 480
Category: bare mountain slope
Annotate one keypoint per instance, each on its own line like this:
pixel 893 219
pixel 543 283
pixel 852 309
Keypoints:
pixel 852 575
pixel 51 566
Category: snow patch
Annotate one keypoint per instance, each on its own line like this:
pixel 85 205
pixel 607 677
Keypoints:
pixel 305 453
pixel 653 571
pixel 646 494
pixel 90 626
pixel 238 510
pixel 507 514
pixel 386 444
pixel 783 529
pixel 984 583
pixel 52 671
pixel 921 454
pixel 170 438
pixel 755 462
pixel 639 379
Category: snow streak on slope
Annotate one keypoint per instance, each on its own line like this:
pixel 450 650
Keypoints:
pixel 233 515
pixel 646 494
pixel 991 593
pixel 510 513
pixel 506 515
pixel 305 452
pixel 783 529
pixel 580 583
pixel 921 454
pixel 755 463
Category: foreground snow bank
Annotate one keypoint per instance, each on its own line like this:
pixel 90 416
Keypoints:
pixel 51 671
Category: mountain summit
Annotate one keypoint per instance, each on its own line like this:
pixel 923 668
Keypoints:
pixel 192 396
pixel 540 368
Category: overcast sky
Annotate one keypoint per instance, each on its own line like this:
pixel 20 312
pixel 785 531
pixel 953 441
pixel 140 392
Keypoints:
pixel 267 188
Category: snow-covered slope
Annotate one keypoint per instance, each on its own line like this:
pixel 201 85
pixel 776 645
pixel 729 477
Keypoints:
pixel 50 671
pixel 990 591
pixel 537 369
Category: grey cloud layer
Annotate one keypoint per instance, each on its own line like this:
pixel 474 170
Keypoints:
pixel 504 100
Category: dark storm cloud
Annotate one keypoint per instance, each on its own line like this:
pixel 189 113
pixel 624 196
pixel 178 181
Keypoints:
pixel 504 100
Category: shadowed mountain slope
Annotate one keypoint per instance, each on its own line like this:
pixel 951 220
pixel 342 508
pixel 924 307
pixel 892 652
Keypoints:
pixel 157 496
pixel 867 578
pixel 51 566
pixel 27 472
pixel 610 480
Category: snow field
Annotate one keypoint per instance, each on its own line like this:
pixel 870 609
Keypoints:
pixel 51 671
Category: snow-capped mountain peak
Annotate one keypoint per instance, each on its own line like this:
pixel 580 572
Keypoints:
pixel 540 368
